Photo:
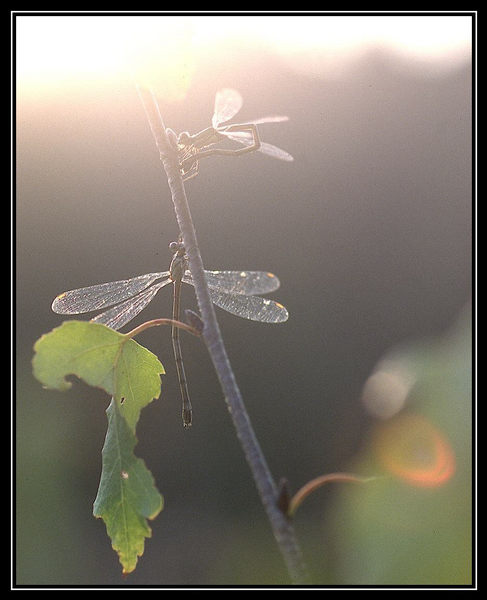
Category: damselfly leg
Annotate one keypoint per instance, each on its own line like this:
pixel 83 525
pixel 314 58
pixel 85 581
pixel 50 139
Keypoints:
pixel 188 165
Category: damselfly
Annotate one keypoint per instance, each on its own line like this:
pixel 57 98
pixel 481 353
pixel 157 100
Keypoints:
pixel 228 102
pixel 234 291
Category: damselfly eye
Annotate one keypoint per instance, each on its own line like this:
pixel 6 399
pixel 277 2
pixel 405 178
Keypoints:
pixel 175 246
pixel 183 138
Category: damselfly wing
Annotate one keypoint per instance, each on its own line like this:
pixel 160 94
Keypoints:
pixel 228 102
pixel 234 291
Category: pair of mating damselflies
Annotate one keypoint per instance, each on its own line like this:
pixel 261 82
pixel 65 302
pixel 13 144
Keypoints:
pixel 234 291
pixel 228 102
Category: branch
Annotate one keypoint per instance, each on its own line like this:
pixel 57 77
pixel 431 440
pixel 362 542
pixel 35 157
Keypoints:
pixel 281 526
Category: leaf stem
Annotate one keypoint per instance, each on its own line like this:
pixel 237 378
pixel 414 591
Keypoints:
pixel 281 525
pixel 157 322
pixel 317 482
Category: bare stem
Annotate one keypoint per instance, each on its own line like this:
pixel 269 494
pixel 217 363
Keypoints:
pixel 281 526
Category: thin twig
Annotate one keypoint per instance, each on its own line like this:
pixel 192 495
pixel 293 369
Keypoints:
pixel 281 526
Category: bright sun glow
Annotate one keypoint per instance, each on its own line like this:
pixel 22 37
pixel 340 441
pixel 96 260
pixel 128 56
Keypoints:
pixel 56 49
pixel 79 49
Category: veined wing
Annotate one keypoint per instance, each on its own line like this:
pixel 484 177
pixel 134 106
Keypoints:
pixel 269 119
pixel 227 104
pixel 247 283
pixel 245 138
pixel 99 296
pixel 254 308
pixel 118 316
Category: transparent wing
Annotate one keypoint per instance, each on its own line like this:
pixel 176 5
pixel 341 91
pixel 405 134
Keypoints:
pixel 247 283
pixel 269 119
pixel 98 296
pixel 118 316
pixel 254 308
pixel 227 104
pixel 245 138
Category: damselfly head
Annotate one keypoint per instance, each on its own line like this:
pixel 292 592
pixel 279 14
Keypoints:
pixel 184 138
pixel 176 246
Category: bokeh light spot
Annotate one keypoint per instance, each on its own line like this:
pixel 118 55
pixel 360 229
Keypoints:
pixel 413 449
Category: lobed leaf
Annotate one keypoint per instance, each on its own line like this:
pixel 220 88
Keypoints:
pixel 102 358
pixel 130 373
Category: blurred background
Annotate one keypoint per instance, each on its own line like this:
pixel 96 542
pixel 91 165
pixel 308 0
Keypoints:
pixel 369 231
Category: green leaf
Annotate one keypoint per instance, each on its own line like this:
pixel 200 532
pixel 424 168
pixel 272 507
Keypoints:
pixel 130 373
pixel 103 358
pixel 126 496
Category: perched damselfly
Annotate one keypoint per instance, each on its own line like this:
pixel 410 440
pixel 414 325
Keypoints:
pixel 234 291
pixel 228 102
